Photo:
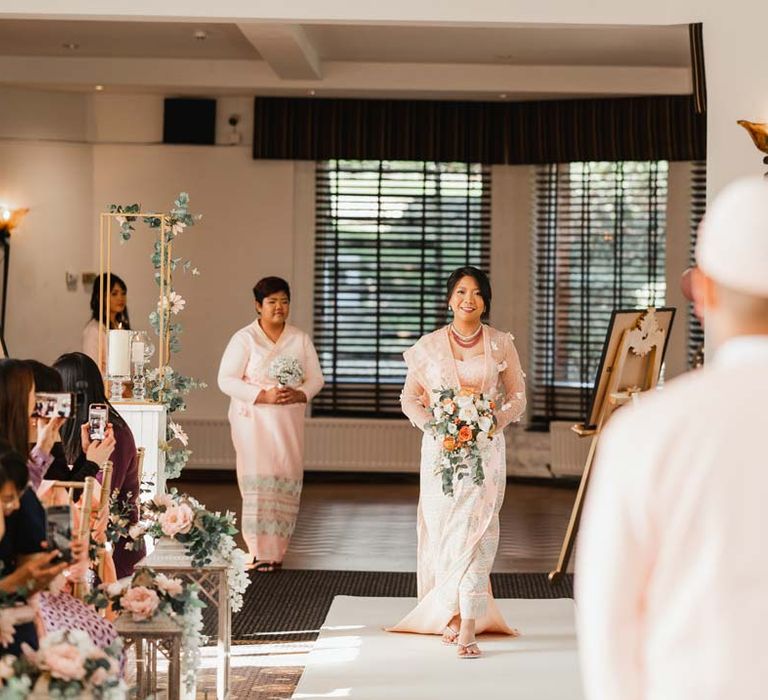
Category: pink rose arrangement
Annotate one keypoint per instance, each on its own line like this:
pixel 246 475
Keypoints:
pixel 141 602
pixel 149 594
pixel 176 520
pixel 67 664
pixel 206 536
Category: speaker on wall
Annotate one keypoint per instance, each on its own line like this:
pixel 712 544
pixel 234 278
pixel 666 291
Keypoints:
pixel 189 120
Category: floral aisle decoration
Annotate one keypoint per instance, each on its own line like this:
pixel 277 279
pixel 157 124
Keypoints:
pixel 149 594
pixel 165 385
pixel 67 664
pixel 286 371
pixel 464 424
pixel 205 535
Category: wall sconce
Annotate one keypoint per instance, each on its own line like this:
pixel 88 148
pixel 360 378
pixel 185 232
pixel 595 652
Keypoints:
pixel 759 133
pixel 9 220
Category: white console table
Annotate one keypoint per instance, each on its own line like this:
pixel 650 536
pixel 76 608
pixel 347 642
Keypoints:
pixel 147 422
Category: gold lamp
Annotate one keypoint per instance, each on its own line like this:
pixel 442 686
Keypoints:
pixel 759 133
pixel 10 219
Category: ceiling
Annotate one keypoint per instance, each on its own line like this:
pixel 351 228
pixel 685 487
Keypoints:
pixel 522 45
pixel 439 62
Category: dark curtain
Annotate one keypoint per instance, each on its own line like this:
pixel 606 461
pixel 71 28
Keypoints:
pixel 516 133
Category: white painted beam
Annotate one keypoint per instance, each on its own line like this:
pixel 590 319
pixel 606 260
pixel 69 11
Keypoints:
pixel 344 79
pixel 286 48
pixel 447 12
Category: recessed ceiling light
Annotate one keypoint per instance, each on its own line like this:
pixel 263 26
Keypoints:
pixel 503 95
pixel 71 46
pixel 98 88
pixel 311 93
pixel 200 34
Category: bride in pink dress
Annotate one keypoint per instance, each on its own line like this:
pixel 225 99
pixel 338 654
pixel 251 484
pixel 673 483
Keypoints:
pixel 458 535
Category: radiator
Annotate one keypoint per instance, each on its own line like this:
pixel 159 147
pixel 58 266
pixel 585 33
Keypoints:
pixel 331 444
pixel 568 450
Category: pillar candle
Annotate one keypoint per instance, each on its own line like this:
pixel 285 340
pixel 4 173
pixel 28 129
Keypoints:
pixel 119 357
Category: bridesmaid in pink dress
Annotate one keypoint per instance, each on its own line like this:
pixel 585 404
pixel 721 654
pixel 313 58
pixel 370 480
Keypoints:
pixel 267 421
pixel 459 535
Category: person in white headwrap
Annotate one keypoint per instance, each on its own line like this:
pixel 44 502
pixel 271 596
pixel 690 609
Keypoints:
pixel 671 581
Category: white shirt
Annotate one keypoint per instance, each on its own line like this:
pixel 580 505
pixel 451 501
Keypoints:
pixel 672 580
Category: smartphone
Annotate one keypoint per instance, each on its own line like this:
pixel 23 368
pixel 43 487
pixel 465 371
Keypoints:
pixel 55 405
pixel 98 416
pixel 58 531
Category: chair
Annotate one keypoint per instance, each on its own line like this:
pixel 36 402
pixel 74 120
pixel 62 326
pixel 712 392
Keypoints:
pixel 140 469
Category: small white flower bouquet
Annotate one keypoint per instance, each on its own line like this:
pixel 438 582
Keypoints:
pixel 464 423
pixel 286 371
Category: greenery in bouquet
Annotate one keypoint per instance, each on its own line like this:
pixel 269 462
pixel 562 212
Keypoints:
pixel 149 594
pixel 121 513
pixel 205 535
pixel 464 424
pixel 167 386
pixel 67 664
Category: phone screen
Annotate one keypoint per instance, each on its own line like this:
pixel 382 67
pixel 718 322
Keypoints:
pixel 98 414
pixel 59 530
pixel 47 405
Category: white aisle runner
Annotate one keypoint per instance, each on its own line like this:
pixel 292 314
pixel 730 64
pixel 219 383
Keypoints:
pixel 354 658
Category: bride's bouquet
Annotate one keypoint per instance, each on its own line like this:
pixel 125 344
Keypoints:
pixel 464 423
pixel 286 371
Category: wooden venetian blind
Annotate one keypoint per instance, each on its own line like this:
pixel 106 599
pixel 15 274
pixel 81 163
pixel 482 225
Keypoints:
pixel 598 245
pixel 698 207
pixel 388 234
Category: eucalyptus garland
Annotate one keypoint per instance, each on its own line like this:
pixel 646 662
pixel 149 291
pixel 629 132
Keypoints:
pixel 166 385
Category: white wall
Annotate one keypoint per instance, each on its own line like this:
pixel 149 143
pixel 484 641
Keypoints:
pixel 247 232
pixel 734 42
pixel 258 220
pixel 54 181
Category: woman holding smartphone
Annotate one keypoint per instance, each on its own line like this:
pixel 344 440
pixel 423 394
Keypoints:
pixel 80 373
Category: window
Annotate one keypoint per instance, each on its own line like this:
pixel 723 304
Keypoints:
pixel 598 245
pixel 388 234
pixel 698 207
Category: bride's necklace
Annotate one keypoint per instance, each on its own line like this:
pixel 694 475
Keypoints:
pixel 467 341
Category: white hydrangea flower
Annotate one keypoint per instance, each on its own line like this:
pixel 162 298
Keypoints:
pixel 485 424
pixel 468 414
pixel 463 401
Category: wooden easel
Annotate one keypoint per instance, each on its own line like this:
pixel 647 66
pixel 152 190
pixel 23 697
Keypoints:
pixel 644 340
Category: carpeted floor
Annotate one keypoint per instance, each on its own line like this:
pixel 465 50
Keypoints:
pixel 291 605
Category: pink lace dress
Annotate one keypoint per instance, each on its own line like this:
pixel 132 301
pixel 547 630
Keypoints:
pixel 459 535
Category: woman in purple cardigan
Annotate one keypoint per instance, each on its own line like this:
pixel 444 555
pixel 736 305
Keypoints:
pixel 80 373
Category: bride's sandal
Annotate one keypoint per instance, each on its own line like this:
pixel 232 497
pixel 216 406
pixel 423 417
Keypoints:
pixel 450 636
pixel 465 649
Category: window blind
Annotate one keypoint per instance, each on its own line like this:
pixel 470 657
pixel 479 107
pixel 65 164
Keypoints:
pixel 598 245
pixel 388 234
pixel 698 207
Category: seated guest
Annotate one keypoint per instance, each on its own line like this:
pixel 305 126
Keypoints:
pixel 17 424
pixel 48 380
pixel 26 565
pixel 29 569
pixel 77 370
pixel 670 580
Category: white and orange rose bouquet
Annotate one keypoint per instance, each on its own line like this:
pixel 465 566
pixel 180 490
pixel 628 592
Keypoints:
pixel 464 424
